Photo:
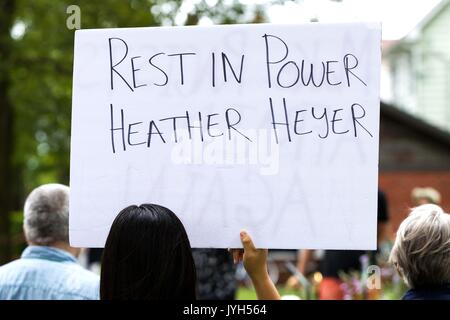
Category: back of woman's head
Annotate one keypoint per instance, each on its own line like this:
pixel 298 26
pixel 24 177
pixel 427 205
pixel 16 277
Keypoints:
pixel 147 255
pixel 421 250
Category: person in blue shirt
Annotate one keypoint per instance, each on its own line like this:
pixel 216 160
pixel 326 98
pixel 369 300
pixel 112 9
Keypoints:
pixel 421 253
pixel 47 269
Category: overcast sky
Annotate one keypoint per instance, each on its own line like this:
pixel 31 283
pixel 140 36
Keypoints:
pixel 397 16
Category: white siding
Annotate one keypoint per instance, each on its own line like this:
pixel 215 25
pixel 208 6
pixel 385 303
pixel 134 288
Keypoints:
pixel 434 80
pixel 420 72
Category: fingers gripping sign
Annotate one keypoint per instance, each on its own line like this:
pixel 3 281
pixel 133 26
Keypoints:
pixel 255 263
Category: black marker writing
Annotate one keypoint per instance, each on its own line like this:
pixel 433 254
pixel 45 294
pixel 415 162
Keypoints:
pixel 113 65
pixel 181 63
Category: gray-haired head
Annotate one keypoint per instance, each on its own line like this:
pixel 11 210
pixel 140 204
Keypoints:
pixel 421 251
pixel 46 215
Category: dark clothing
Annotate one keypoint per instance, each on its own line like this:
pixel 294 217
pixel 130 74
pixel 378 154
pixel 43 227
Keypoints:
pixel 382 212
pixel 436 293
pixel 215 274
pixel 336 261
pixel 95 255
pixel 382 217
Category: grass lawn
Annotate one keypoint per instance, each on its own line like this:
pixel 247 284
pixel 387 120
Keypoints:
pixel 390 292
pixel 244 293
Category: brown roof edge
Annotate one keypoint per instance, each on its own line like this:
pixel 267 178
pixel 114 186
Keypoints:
pixel 437 134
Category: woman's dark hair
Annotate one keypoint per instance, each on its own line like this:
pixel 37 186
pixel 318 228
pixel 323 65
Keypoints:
pixel 147 255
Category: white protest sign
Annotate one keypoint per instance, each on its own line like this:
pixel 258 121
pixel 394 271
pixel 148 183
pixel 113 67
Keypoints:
pixel 269 128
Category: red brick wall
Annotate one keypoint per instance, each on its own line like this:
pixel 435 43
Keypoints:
pixel 398 185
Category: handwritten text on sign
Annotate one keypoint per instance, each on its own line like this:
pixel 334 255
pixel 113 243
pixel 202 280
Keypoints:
pixel 266 127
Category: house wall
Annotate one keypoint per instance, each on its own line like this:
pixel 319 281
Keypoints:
pixel 398 185
pixel 402 80
pixel 433 92
pixel 403 147
pixel 410 158
pixel 420 71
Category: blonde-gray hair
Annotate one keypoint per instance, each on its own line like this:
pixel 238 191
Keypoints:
pixel 46 215
pixel 421 251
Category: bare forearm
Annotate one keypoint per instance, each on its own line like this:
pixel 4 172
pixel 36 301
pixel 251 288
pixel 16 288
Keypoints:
pixel 255 263
pixel 265 289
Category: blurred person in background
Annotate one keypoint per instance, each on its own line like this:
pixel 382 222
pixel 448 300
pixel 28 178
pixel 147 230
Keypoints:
pixel 215 274
pixel 48 268
pixel 421 196
pixel 421 253
pixel 335 262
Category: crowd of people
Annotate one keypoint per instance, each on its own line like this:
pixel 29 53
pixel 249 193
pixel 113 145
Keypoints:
pixel 147 255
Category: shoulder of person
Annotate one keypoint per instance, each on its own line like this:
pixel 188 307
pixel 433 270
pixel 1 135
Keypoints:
pixel 10 267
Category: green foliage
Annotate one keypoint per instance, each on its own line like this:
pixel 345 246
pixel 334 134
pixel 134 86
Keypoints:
pixel 18 240
pixel 39 73
pixel 41 79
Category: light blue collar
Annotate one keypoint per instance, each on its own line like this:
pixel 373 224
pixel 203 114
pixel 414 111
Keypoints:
pixel 47 253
